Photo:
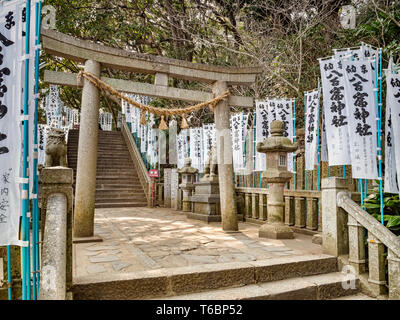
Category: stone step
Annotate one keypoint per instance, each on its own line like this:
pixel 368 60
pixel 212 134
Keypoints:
pixel 131 204
pixel 104 186
pixel 316 287
pixel 136 198
pixel 173 282
pixel 358 296
pixel 113 178
pixel 107 148
pixel 119 192
pixel 106 170
pixel 118 174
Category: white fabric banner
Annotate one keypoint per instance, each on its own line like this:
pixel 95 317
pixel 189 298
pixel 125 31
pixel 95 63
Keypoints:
pixel 390 183
pixel 209 140
pixel 143 137
pixel 10 129
pixel 266 112
pixel 237 141
pixel 312 128
pixel 324 144
pixel 393 93
pixel 282 109
pixel 182 147
pixel 43 132
pixel 105 121
pixel 262 131
pixel 361 102
pixel 196 148
pixel 335 112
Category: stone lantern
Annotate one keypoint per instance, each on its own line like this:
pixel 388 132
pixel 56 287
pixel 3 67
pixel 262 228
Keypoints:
pixel 276 148
pixel 187 186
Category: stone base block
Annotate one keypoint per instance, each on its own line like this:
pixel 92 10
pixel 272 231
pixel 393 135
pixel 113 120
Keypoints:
pixel 88 239
pixel 275 231
pixel 204 217
pixel 317 239
pixel 208 218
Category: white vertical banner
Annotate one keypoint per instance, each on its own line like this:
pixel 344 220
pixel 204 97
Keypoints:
pixel 324 144
pixel 262 131
pixel 361 102
pixel 150 137
pixel 10 112
pixel 43 132
pixel 182 147
pixel 196 148
pixel 312 128
pixel 237 140
pixel 393 99
pixel 335 112
pixel 209 139
pixel 143 137
pixel 284 112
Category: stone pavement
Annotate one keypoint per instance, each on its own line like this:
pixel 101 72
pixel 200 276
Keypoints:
pixel 140 239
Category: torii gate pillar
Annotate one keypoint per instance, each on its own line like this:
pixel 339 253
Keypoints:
pixel 85 190
pixel 225 161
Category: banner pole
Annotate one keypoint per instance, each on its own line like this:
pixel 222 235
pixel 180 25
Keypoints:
pixel 9 276
pixel 294 140
pixel 254 144
pixel 25 167
pixel 35 247
pixel 305 123
pixel 318 139
pixel 379 113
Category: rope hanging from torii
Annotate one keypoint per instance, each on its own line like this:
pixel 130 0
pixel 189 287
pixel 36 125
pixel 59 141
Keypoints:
pixel 155 110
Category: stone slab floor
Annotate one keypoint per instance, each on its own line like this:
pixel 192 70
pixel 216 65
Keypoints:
pixel 139 239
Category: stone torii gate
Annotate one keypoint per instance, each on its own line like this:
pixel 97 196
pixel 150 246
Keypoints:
pixel 96 56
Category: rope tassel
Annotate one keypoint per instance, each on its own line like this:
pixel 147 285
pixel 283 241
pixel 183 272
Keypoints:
pixel 184 124
pixel 163 125
pixel 143 117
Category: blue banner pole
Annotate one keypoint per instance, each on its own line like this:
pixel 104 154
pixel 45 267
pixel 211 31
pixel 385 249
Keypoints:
pixel 9 276
pixel 35 204
pixel 26 294
pixel 254 146
pixel 305 123
pixel 379 113
pixel 294 140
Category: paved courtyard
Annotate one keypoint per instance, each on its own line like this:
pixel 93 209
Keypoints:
pixel 140 239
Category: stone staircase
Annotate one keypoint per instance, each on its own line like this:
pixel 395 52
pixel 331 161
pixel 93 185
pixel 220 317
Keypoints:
pixel 310 277
pixel 117 183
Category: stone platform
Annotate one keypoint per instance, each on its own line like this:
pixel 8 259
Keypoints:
pixel 140 239
pixel 160 253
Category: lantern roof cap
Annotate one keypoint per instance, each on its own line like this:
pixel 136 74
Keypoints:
pixel 277 142
pixel 188 167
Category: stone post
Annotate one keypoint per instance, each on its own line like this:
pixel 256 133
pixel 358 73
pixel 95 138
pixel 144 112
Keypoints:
pixel 188 175
pixel 87 157
pixel 394 275
pixel 225 161
pixel 276 148
pixel 335 237
pixel 59 180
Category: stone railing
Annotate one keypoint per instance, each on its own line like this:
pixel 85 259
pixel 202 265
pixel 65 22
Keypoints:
pixel 302 207
pixel 56 195
pixel 136 157
pixel 345 225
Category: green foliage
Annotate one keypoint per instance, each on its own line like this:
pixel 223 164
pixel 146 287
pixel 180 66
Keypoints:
pixel 391 209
